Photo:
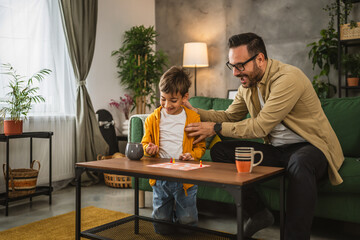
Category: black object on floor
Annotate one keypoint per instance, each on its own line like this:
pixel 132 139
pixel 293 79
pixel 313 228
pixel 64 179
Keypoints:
pixel 107 129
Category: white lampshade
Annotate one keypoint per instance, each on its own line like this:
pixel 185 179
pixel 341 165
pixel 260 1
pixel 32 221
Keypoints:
pixel 195 55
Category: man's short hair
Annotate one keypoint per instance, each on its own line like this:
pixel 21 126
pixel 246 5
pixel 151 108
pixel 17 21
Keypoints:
pixel 254 43
pixel 175 80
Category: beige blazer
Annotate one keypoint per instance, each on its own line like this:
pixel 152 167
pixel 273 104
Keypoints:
pixel 289 98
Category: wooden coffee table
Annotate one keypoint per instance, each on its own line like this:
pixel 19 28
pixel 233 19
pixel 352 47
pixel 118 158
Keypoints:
pixel 221 175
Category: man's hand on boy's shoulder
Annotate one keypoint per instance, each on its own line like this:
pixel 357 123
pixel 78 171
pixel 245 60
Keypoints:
pixel 152 149
pixel 200 130
pixel 189 106
pixel 186 157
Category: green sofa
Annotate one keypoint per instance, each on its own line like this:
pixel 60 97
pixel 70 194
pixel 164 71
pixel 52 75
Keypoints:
pixel 340 202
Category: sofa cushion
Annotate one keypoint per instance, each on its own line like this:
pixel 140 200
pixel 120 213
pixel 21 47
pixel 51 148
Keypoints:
pixel 343 114
pixel 214 194
pixel 343 207
pixel 206 156
pixel 210 103
pixel 201 102
pixel 349 171
pixel 221 103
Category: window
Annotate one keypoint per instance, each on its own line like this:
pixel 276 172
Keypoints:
pixel 32 38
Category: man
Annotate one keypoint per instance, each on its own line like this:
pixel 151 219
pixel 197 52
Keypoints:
pixel 286 112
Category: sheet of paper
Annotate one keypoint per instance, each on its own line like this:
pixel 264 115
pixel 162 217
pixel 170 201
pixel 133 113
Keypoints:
pixel 179 166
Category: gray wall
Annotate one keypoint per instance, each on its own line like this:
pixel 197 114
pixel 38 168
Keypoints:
pixel 286 26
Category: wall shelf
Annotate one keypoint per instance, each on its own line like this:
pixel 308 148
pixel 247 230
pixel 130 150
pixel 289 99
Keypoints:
pixel 345 87
pixel 343 45
pixel 351 42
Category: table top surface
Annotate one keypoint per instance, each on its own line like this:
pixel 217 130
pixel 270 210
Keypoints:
pixel 216 173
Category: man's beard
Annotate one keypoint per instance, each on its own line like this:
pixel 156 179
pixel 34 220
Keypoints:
pixel 254 77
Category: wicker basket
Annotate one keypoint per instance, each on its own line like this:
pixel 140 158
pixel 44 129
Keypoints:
pixel 114 180
pixel 22 181
pixel 117 181
pixel 346 33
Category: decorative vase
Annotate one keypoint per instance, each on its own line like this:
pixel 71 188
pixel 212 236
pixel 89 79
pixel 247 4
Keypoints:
pixel 352 81
pixel 13 127
pixel 134 151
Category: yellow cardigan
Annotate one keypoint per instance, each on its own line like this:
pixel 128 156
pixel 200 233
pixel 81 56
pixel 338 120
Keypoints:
pixel 152 134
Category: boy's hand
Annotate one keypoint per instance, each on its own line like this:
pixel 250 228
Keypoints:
pixel 152 149
pixel 186 157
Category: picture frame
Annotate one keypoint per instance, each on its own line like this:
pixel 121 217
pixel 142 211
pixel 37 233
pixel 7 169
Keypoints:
pixel 232 93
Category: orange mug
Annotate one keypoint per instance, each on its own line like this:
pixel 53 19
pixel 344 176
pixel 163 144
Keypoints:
pixel 244 158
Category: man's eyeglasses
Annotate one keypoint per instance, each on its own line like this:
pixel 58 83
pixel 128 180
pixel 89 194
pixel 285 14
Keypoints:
pixel 240 66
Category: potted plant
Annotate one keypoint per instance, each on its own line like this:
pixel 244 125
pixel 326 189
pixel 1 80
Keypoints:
pixel 140 66
pixel 124 105
pixel 351 63
pixel 20 98
pixel 323 89
pixel 324 55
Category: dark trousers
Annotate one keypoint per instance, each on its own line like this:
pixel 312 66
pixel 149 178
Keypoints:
pixel 305 166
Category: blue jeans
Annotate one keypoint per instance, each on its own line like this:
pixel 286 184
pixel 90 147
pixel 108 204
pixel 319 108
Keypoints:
pixel 171 204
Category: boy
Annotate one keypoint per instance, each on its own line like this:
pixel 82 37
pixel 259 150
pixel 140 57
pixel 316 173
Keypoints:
pixel 165 137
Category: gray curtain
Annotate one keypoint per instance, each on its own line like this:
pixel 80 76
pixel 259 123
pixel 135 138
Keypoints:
pixel 79 20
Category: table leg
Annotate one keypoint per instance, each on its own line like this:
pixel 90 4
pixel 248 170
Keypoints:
pixel 239 215
pixel 78 172
pixel 136 230
pixel 7 179
pixel 236 193
pixel 50 169
pixel 31 158
pixel 282 206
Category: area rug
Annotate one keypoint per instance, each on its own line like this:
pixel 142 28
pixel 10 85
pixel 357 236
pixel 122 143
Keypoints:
pixel 62 226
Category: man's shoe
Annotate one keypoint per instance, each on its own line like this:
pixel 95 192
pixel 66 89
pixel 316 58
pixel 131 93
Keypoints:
pixel 257 222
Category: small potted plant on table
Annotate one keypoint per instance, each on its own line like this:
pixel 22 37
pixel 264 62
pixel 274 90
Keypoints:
pixel 20 98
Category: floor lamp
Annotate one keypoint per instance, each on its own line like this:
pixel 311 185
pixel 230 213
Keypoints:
pixel 195 56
